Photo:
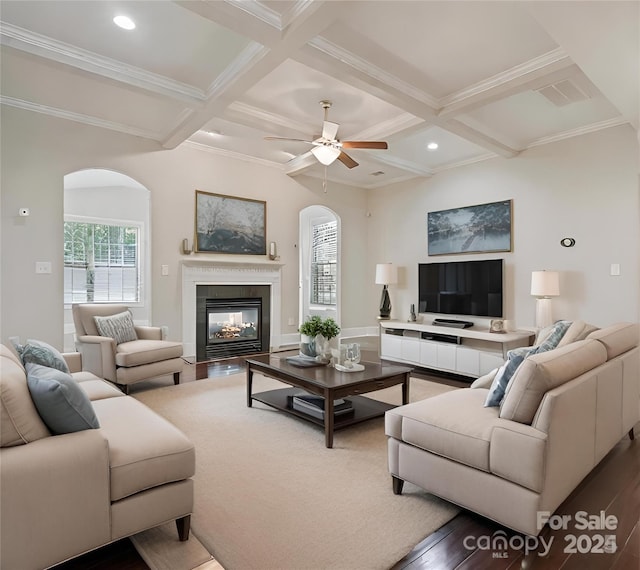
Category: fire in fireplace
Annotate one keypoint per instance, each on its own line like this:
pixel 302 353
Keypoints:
pixel 232 324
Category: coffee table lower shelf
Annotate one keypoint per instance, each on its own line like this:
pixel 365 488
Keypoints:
pixel 363 408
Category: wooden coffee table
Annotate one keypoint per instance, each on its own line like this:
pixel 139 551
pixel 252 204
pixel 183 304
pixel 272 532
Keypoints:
pixel 328 382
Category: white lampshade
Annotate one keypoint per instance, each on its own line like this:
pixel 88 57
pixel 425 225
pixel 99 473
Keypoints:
pixel 325 154
pixel 386 274
pixel 545 284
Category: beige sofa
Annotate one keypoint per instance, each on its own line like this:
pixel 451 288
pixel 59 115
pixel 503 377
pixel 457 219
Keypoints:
pixel 563 411
pixel 63 495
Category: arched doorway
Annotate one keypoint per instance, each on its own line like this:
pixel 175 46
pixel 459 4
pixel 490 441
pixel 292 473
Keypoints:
pixel 107 243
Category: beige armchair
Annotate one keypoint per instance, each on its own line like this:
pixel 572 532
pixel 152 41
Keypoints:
pixel 123 363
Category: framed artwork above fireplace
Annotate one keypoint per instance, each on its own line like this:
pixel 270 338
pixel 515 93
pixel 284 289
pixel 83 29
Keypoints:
pixel 227 224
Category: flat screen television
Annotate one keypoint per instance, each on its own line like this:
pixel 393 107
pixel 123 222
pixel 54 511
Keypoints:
pixel 472 288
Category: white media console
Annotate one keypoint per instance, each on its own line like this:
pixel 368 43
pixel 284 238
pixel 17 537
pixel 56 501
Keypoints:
pixel 472 351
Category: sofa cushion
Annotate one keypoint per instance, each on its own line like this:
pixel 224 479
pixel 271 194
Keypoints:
pixel 515 358
pixel 542 372
pixel 119 327
pixel 455 425
pixel 617 338
pixel 139 352
pixel 145 450
pixel 19 419
pixel 40 352
pixel 61 403
pixel 579 330
pixel 98 389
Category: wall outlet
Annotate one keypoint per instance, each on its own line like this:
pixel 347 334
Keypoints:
pixel 43 267
pixel 165 270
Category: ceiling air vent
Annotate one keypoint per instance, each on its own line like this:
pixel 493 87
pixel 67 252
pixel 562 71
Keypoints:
pixel 564 92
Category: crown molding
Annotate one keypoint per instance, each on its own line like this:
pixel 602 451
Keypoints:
pixel 592 128
pixel 294 11
pixel 231 154
pixel 389 127
pixel 242 62
pixel 258 10
pixel 542 63
pixel 78 118
pixel 46 47
pixel 356 62
pixel 255 114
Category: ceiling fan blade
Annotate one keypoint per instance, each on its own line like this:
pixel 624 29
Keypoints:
pixel 286 139
pixel 329 130
pixel 365 144
pixel 345 159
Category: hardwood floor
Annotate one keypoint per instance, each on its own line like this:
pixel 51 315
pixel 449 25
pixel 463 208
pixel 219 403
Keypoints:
pixel 612 487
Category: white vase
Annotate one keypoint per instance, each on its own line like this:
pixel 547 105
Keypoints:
pixel 316 346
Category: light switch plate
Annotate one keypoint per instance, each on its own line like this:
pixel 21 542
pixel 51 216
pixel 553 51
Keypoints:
pixel 615 269
pixel 165 270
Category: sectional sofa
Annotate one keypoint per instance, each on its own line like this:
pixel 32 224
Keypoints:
pixel 68 493
pixel 563 411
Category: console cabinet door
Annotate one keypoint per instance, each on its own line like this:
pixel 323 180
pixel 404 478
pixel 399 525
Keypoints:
pixel 390 346
pixel 428 354
pixel 468 361
pixel 489 361
pixel 447 357
pixel 411 349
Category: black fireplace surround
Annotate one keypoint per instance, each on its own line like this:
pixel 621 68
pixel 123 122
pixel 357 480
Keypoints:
pixel 232 320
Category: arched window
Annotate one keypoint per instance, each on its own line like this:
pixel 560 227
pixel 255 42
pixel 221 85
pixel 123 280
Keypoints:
pixel 319 263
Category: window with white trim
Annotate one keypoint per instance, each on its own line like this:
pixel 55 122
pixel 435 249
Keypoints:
pixel 324 264
pixel 101 261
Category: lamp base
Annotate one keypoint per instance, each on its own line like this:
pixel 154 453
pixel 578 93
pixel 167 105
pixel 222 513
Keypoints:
pixel 385 304
pixel 544 316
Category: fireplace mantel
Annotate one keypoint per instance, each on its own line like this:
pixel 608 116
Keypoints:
pixel 215 272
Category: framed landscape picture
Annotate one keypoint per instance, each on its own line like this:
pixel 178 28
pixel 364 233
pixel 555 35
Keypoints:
pixel 227 224
pixel 472 229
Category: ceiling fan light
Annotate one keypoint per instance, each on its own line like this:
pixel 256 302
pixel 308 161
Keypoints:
pixel 325 154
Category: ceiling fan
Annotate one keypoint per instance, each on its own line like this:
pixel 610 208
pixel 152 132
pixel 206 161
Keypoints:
pixel 327 148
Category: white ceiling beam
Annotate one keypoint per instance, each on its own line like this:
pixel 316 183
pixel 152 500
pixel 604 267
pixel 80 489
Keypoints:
pixel 541 71
pixel 307 25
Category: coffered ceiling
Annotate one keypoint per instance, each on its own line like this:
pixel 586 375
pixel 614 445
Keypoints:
pixel 480 79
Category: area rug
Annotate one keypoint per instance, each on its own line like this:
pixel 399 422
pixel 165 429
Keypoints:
pixel 270 495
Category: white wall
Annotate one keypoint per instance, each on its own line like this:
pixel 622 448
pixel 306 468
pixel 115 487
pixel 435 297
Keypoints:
pixel 38 151
pixel 585 187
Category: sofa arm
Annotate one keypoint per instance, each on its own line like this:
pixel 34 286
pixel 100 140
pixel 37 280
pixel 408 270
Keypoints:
pixel 485 381
pixel 73 360
pixel 148 333
pixel 55 499
pixel 98 355
pixel 511 440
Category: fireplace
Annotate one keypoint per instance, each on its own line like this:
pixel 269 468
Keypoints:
pixel 231 320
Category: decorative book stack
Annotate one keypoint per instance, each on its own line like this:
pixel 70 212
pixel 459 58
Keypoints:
pixel 314 405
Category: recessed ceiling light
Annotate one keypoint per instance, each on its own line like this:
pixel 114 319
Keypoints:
pixel 432 146
pixel 124 22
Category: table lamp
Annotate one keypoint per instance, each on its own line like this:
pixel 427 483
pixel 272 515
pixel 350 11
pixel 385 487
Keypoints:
pixel 544 285
pixel 386 274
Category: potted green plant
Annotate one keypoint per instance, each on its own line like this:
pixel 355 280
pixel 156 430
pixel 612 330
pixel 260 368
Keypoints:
pixel 315 334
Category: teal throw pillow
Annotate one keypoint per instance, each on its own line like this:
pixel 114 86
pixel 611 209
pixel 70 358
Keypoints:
pixel 515 357
pixel 119 327
pixel 39 352
pixel 63 406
